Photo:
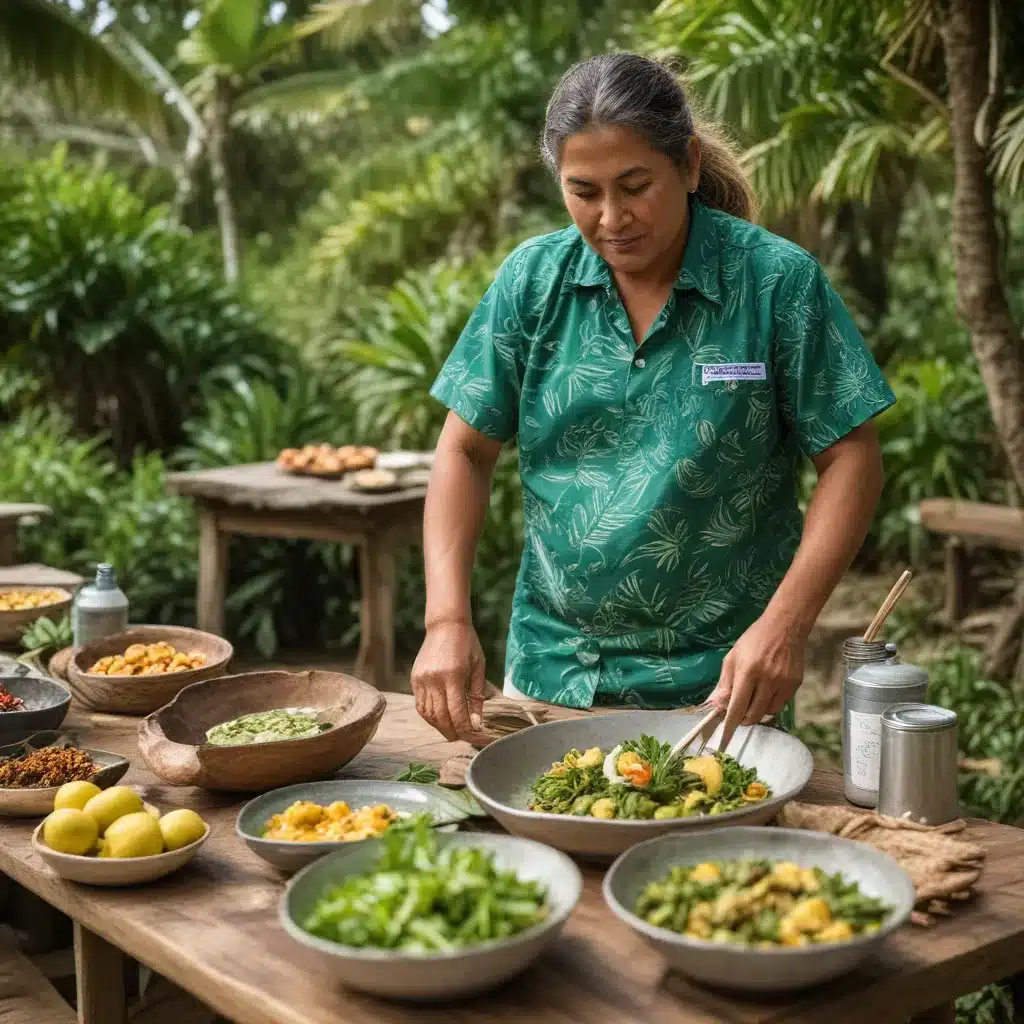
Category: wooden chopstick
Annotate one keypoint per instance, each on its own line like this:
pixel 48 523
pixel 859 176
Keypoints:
pixel 714 714
pixel 887 606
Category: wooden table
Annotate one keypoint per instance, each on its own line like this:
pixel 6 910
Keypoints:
pixel 212 929
pixel 260 501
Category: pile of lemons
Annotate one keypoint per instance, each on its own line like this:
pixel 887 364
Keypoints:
pixel 89 821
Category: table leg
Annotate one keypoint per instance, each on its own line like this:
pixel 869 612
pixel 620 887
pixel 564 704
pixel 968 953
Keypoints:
pixel 376 659
pixel 213 574
pixel 99 971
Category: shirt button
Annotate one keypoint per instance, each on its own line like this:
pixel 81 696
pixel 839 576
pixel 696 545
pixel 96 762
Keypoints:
pixel 640 363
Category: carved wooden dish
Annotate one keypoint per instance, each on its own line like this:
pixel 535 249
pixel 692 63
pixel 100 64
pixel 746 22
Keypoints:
pixel 13 624
pixel 173 740
pixel 141 695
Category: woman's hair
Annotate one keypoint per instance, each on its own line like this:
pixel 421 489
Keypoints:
pixel 625 89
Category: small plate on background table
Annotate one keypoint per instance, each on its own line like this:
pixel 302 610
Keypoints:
pixel 404 797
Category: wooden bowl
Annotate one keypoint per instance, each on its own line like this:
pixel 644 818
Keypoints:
pixel 114 871
pixel 173 740
pixel 141 695
pixel 13 624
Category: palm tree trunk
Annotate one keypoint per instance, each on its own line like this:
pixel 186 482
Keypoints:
pixel 981 298
pixel 219 113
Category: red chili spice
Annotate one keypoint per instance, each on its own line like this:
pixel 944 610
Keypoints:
pixel 49 766
pixel 8 702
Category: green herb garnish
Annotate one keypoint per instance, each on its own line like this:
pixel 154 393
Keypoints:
pixel 419 772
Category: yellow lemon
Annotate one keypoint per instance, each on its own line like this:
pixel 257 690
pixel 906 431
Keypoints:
pixel 75 795
pixel 134 835
pixel 181 827
pixel 150 809
pixel 111 804
pixel 70 830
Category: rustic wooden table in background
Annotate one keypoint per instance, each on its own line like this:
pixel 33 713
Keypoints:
pixel 12 515
pixel 213 930
pixel 261 501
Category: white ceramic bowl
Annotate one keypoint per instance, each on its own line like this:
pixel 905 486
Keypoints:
pixel 438 976
pixel 502 773
pixel 114 871
pixel 740 968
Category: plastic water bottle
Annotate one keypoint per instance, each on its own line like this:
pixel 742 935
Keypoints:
pixel 99 609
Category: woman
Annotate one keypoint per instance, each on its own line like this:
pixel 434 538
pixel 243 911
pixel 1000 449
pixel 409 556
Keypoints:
pixel 665 364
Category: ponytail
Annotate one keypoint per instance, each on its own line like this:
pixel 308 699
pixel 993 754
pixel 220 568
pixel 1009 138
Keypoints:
pixel 723 183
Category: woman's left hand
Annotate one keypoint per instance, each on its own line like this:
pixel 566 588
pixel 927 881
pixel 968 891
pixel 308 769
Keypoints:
pixel 760 674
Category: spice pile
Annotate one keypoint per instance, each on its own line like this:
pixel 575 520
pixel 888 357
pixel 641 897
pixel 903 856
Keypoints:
pixel 8 702
pixel 51 766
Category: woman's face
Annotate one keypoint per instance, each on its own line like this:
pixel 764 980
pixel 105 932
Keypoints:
pixel 628 200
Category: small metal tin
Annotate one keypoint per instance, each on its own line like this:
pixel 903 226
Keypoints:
pixel 918 776
pixel 867 691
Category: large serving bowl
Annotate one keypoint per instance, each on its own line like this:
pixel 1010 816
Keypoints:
pixel 45 706
pixel 141 695
pixel 17 802
pixel 444 975
pixel 739 968
pixel 14 623
pixel 173 742
pixel 502 773
pixel 114 872
pixel 287 855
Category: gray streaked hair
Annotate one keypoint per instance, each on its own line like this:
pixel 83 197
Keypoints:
pixel 631 91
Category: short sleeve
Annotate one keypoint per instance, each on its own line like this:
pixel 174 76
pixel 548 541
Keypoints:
pixel 829 383
pixel 482 378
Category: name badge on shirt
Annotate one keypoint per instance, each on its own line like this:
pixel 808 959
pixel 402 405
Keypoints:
pixel 732 371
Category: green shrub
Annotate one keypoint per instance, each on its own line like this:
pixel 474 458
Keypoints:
pixel 122 317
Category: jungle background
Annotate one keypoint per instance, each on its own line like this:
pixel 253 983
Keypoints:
pixel 234 226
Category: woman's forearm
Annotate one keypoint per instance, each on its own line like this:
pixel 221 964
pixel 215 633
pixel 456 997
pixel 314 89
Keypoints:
pixel 838 518
pixel 456 506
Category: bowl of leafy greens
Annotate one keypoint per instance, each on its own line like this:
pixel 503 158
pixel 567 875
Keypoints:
pixel 596 786
pixel 419 915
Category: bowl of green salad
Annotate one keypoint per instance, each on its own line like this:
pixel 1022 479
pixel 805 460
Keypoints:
pixel 760 909
pixel 256 731
pixel 420 915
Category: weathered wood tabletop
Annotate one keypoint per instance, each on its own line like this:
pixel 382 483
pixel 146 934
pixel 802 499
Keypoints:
pixel 260 500
pixel 212 928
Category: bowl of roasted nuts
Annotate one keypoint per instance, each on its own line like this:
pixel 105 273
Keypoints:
pixel 143 668
pixel 20 606
pixel 326 461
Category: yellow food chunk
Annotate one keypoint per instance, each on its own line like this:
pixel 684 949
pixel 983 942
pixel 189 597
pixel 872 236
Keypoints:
pixel 308 822
pixel 810 915
pixel 706 873
pixel 709 770
pixel 694 800
pixel 558 768
pixel 590 758
pixel 30 597
pixel 810 880
pixel 787 875
pixel 603 808
pixel 148 659
pixel 755 792
pixel 837 931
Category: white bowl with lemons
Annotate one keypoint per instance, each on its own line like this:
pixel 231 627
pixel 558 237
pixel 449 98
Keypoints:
pixel 111 837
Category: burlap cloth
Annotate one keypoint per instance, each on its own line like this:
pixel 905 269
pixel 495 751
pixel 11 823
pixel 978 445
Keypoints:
pixel 942 865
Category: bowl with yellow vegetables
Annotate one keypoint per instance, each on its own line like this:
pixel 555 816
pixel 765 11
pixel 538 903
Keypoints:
pixel 760 909
pixel 142 668
pixel 20 606
pixel 111 837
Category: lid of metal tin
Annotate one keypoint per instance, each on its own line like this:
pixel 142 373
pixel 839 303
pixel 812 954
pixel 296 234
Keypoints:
pixel 891 682
pixel 918 718
pixel 857 651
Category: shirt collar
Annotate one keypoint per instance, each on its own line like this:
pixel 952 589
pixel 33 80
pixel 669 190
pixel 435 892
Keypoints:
pixel 700 260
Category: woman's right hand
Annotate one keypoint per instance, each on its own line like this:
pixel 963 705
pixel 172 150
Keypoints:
pixel 448 681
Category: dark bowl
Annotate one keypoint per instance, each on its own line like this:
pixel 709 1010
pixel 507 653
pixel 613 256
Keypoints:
pixel 46 706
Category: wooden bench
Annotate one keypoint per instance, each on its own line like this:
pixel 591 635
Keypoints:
pixel 965 523
pixel 26 996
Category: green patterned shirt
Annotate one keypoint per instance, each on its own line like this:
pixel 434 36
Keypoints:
pixel 659 481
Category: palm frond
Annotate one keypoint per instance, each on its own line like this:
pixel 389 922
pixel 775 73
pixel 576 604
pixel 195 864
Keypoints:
pixel 303 92
pixel 1009 148
pixel 42 42
pixel 343 23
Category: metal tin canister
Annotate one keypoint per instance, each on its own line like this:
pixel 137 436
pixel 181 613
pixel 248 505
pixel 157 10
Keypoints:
pixel 867 692
pixel 918 778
